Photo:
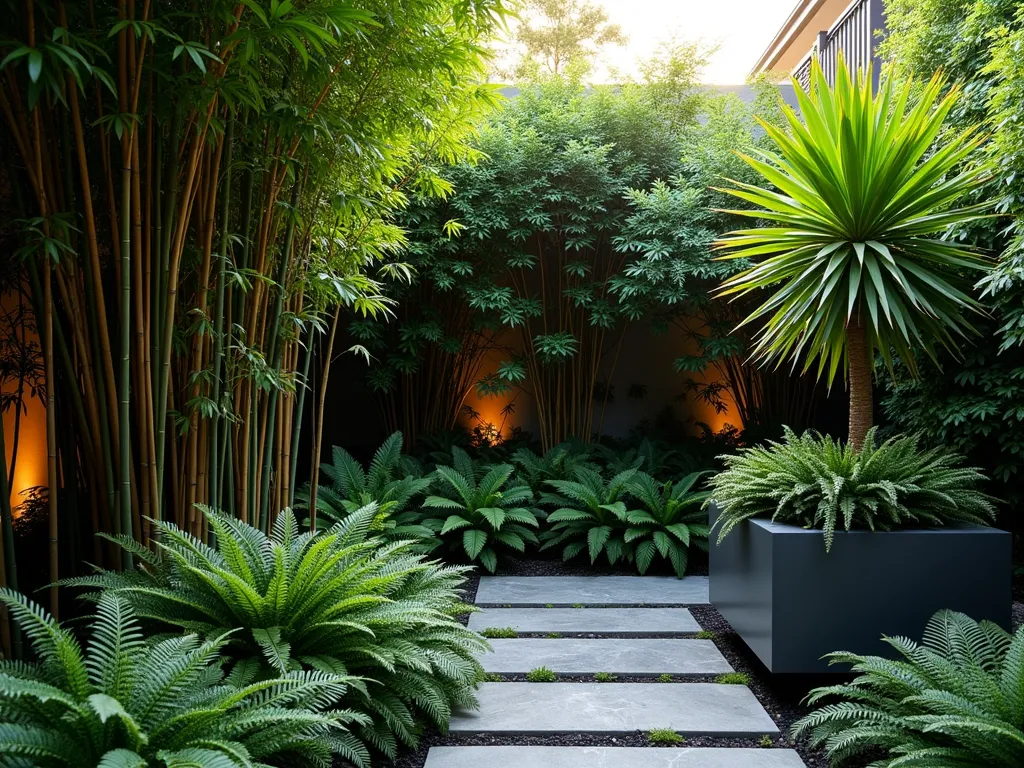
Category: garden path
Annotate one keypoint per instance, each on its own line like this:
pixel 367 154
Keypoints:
pixel 634 628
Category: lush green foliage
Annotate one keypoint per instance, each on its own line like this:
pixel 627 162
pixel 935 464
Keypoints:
pixel 486 517
pixel 125 702
pixel 975 408
pixel 557 463
pixel 337 601
pixel 973 405
pixel 563 236
pixel 817 482
pixel 203 187
pixel 391 482
pixel 863 199
pixel 954 701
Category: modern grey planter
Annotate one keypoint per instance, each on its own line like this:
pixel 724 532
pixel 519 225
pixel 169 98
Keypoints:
pixel 792 602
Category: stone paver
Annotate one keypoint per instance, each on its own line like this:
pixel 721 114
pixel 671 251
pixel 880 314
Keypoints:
pixel 615 708
pixel 600 621
pixel 565 591
pixel 585 656
pixel 609 757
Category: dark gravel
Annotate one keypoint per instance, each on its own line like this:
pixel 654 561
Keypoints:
pixel 780 697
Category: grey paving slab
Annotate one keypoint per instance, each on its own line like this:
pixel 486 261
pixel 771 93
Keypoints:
pixel 601 621
pixel 615 709
pixel 609 757
pixel 625 656
pixel 565 591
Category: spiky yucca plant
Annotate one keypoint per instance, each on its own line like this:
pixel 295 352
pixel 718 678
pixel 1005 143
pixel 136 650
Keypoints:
pixel 669 520
pixel 337 600
pixel 125 703
pixel 861 197
pixel 390 481
pixel 484 516
pixel 818 482
pixel 954 701
pixel 591 515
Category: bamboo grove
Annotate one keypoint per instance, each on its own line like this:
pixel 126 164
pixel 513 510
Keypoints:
pixel 203 191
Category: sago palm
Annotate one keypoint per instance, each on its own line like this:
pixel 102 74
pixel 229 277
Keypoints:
pixel 122 702
pixel 863 191
pixel 337 601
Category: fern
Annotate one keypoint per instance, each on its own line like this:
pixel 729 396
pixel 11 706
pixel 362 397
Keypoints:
pixel 818 482
pixel 482 517
pixel 392 481
pixel 954 701
pixel 123 702
pixel 337 601
pixel 559 463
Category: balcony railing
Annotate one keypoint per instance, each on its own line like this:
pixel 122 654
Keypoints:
pixel 854 34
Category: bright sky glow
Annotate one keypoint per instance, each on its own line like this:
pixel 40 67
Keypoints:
pixel 741 29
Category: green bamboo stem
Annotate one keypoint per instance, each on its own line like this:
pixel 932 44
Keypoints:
pixel 300 404
pixel 218 314
pixel 124 410
pixel 277 348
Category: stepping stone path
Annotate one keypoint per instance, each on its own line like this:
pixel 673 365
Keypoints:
pixel 625 622
pixel 573 656
pixel 620 613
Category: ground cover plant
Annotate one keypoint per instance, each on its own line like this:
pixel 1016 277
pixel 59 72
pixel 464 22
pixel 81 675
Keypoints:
pixel 816 481
pixel 485 516
pixel 123 701
pixel 541 675
pixel 952 701
pixel 337 601
pixel 664 737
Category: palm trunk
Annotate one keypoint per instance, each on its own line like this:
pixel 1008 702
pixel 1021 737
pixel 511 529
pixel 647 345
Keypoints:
pixel 858 351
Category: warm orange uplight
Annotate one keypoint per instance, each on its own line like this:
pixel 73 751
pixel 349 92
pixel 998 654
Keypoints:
pixel 31 468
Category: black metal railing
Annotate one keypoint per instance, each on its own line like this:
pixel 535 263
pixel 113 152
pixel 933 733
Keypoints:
pixel 855 34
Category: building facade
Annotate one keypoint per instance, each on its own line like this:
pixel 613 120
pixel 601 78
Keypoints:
pixel 823 29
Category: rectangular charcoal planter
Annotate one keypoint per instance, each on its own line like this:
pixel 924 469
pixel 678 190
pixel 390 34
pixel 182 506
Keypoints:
pixel 792 602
